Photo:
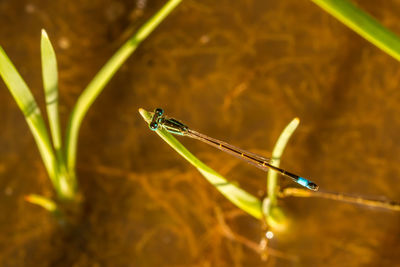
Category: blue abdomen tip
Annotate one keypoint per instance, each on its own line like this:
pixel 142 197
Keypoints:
pixel 302 181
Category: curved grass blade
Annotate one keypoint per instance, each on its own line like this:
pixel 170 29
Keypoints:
pixel 236 195
pixel 104 75
pixel 363 24
pixel 272 179
pixel 50 84
pixel 28 106
pixel 274 215
pixel 66 180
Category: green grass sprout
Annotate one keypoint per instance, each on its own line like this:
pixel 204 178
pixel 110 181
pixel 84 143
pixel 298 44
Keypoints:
pixel 59 161
pixel 53 161
pixel 363 24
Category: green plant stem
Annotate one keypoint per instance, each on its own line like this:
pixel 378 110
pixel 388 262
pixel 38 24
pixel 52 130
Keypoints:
pixel 272 179
pixel 103 76
pixel 362 23
pixel 273 215
pixel 299 192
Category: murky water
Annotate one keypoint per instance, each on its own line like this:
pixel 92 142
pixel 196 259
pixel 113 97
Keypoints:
pixel 235 70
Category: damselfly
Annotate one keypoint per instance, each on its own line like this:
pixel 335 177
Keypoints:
pixel 176 127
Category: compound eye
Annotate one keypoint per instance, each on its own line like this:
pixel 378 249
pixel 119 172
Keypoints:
pixel 159 112
pixel 154 126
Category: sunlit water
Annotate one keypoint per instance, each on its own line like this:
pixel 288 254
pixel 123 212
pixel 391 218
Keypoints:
pixel 235 70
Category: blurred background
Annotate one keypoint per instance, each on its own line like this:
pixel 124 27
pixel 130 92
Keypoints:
pixel 237 71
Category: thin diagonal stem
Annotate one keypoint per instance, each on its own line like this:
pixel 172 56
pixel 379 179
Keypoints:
pixel 95 87
pixel 298 192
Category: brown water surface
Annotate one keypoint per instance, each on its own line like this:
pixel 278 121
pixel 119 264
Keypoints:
pixel 235 70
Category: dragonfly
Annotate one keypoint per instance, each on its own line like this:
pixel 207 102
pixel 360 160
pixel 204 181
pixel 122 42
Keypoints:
pixel 173 126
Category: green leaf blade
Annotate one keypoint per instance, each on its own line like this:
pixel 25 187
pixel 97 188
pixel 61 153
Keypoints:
pixel 50 84
pixel 363 24
pixel 17 85
pixel 67 184
pixel 30 109
pixel 274 215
